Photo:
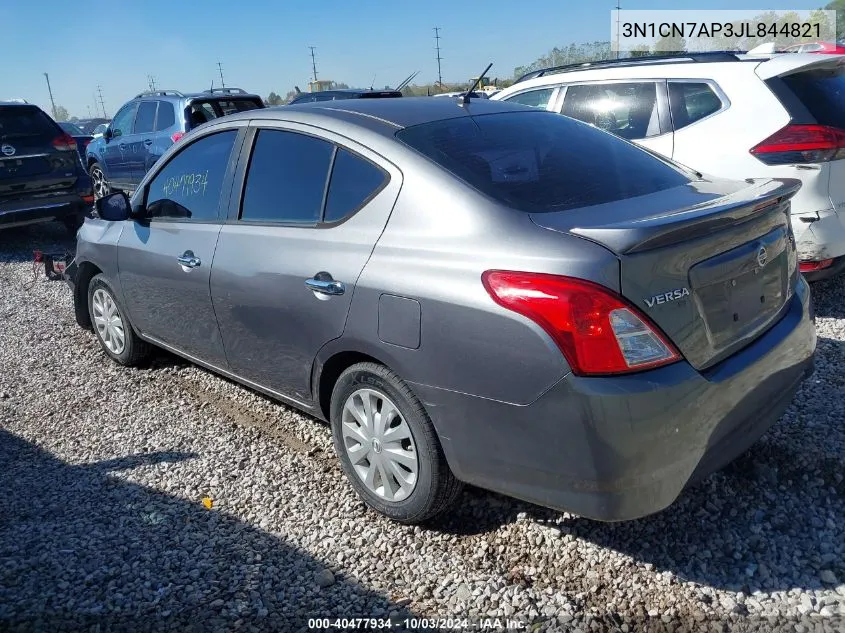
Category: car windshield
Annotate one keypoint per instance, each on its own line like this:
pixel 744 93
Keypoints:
pixel 541 161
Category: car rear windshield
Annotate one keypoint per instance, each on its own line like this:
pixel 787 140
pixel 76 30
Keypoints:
pixel 541 161
pixel 222 107
pixel 19 121
pixel 822 91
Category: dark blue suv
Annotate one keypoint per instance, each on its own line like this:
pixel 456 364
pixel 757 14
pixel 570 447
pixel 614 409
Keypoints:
pixel 145 127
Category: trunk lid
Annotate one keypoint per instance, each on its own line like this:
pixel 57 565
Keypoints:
pixel 712 263
pixel 29 163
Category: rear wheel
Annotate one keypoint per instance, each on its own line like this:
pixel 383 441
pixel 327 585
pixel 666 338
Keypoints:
pixel 98 180
pixel 387 446
pixel 111 325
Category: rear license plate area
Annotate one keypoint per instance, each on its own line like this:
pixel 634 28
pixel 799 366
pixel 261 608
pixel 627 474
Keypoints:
pixel 744 288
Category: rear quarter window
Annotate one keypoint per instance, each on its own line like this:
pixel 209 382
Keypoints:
pixel 538 161
pixel 822 91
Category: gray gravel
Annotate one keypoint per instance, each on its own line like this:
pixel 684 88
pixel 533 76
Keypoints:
pixel 103 471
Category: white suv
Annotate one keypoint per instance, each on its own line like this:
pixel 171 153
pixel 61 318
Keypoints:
pixel 735 116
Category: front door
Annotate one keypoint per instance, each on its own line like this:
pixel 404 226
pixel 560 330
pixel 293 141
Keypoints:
pixel 164 261
pixel 116 152
pixel 288 260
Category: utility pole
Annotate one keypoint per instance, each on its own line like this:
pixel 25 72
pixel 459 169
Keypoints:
pixel 102 103
pixel 437 48
pixel 151 82
pixel 50 90
pixel 220 68
pixel 618 9
pixel 313 62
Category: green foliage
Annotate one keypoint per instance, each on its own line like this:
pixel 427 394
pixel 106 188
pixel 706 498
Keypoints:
pixel 572 54
pixel 61 113
pixel 839 7
pixel 273 99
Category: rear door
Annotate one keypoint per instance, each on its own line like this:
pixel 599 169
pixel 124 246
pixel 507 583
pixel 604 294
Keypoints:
pixel 164 261
pixel 634 110
pixel 29 162
pixel 116 156
pixel 312 208
pixel 141 141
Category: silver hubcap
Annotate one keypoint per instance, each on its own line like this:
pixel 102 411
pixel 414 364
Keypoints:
pixel 108 322
pixel 379 444
pixel 98 180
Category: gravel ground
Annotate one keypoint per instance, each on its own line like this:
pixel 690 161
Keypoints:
pixel 103 471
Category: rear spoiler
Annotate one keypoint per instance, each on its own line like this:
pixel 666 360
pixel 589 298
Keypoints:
pixel 715 215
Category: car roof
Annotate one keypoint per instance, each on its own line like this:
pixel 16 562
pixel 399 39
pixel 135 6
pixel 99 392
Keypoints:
pixel 384 115
pixel 705 66
pixel 214 93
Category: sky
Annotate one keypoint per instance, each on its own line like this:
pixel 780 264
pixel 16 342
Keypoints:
pixel 263 44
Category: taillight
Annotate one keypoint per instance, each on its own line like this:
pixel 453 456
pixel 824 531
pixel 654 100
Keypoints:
pixel 176 136
pixel 797 144
pixel 597 331
pixel 807 267
pixel 65 143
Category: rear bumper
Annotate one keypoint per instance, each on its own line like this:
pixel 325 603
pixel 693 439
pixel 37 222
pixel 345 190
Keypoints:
pixel 23 211
pixel 619 448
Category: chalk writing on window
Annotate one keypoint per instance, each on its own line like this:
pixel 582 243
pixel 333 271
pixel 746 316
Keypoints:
pixel 186 185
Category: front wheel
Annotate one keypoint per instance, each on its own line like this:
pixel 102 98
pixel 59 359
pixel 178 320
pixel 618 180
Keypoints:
pixel 111 325
pixel 98 181
pixel 388 447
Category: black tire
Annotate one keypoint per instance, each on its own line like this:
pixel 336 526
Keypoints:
pixel 436 487
pixel 134 349
pixel 93 171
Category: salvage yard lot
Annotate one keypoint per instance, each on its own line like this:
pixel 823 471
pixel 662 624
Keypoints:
pixel 104 470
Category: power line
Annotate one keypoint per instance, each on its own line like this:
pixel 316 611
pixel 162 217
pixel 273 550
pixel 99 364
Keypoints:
pixel 50 90
pixel 220 68
pixel 313 62
pixel 437 48
pixel 102 103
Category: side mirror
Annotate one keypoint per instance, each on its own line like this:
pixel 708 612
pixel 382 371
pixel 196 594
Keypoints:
pixel 107 134
pixel 114 207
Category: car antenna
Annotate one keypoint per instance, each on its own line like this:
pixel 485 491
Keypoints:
pixel 465 98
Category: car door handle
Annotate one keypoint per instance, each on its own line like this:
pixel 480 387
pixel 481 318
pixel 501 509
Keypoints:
pixel 189 260
pixel 148 142
pixel 122 145
pixel 325 286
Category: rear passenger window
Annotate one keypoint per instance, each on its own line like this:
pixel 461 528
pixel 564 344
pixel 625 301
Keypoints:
pixel 822 91
pixel 628 110
pixel 189 186
pixel 286 178
pixel 534 98
pixel 354 181
pixel 691 102
pixel 145 119
pixel 166 116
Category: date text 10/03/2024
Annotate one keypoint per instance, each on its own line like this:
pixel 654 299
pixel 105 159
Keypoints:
pixel 416 624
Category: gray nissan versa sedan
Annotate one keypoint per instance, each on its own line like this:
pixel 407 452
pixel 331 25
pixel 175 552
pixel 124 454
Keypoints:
pixel 479 293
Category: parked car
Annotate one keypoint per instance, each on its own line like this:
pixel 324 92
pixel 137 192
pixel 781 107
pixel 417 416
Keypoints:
pixel 344 93
pixel 145 127
pixel 82 139
pixel 89 126
pixel 474 293
pixel 727 115
pixel 41 176
pixel 825 48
